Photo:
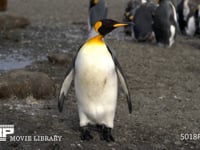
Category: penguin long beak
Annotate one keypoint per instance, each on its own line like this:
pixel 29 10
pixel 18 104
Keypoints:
pixel 119 25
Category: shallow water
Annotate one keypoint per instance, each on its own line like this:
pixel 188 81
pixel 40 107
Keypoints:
pixel 13 61
pixel 13 64
pixel 35 43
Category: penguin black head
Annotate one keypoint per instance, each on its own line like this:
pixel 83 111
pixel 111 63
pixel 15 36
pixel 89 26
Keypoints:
pixel 105 26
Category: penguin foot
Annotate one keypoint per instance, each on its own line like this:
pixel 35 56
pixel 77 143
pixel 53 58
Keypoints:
pixel 85 134
pixel 106 134
pixel 99 128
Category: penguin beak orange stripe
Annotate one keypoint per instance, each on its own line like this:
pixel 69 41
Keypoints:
pixel 119 25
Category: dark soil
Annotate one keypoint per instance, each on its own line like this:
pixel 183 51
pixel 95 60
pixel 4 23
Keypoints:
pixel 164 83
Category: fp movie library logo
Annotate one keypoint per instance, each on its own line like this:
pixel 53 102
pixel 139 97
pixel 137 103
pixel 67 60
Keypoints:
pixel 9 129
pixel 6 130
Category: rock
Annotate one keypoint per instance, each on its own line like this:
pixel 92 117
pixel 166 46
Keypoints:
pixel 8 22
pixel 60 58
pixel 21 83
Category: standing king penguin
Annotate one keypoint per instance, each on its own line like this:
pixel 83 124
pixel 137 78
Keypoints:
pixel 97 11
pixel 95 71
pixel 143 20
pixel 197 18
pixel 129 14
pixel 186 18
pixel 165 23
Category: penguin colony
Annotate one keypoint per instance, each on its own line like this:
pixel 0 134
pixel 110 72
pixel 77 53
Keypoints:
pixel 95 69
pixel 162 20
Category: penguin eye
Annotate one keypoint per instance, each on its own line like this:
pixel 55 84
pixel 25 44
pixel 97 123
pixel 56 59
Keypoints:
pixel 97 26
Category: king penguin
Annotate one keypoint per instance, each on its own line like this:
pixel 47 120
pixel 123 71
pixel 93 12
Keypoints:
pixel 165 23
pixel 97 11
pixel 143 20
pixel 96 71
pixel 129 14
pixel 186 18
pixel 197 18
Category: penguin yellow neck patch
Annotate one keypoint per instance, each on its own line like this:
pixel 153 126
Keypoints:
pixel 96 40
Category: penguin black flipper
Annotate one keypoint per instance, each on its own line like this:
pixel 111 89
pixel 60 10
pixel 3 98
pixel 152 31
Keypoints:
pixel 122 79
pixel 66 83
pixel 65 87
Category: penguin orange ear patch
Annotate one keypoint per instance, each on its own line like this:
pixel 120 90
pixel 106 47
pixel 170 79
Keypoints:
pixel 131 17
pixel 97 25
pixel 95 1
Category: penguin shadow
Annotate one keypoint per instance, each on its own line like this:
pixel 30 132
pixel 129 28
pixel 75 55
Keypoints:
pixel 152 43
pixel 195 45
pixel 165 46
pixel 190 41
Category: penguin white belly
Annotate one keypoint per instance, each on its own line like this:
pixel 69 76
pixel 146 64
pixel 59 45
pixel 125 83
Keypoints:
pixel 191 26
pixel 96 85
pixel 173 32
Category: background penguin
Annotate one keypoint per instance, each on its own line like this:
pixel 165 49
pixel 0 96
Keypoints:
pixel 97 11
pixel 143 21
pixel 129 14
pixel 197 19
pixel 165 23
pixel 95 70
pixel 186 17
